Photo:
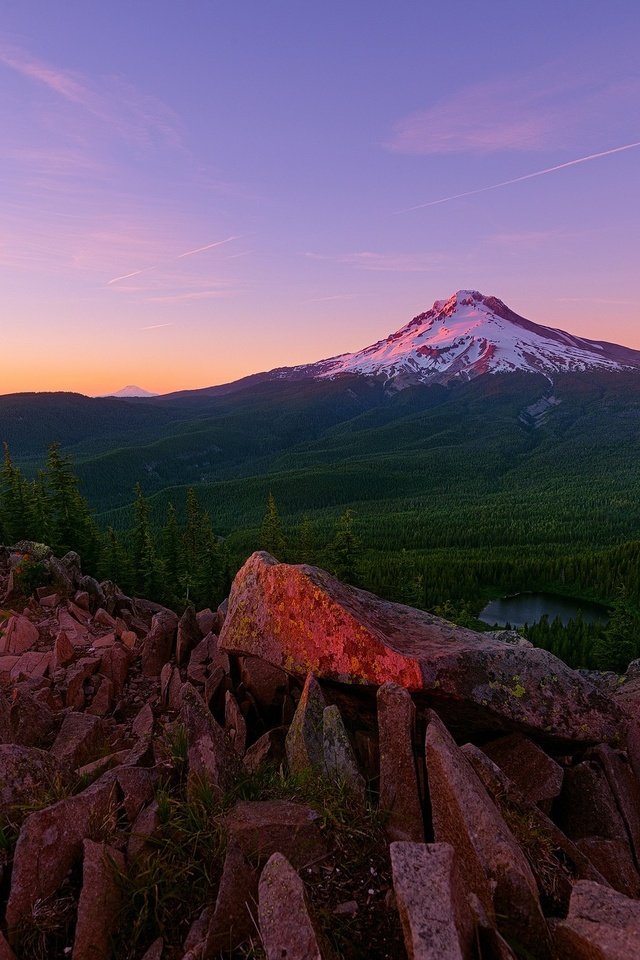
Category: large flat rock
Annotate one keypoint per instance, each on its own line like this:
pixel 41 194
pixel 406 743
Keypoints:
pixel 303 620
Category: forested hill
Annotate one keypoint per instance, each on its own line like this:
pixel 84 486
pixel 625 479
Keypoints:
pixel 502 483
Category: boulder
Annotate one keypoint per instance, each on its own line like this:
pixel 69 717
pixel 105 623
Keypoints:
pixel 145 826
pixel 232 922
pixel 49 844
pixel 286 926
pixel 76 675
pixel 528 766
pixel 601 925
pixel 586 806
pixel 26 772
pixel 170 687
pixel 24 719
pixel 79 739
pixel 99 903
pixel 399 796
pixel 303 620
pixel 437 922
pixel 20 635
pixel 114 664
pixel 494 866
pixel 158 644
pixel 263 827
pixel 188 636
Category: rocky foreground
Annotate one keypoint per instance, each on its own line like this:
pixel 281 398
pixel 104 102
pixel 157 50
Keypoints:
pixel 307 772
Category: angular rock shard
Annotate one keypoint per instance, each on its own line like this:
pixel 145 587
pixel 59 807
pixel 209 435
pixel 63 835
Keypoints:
pixel 602 925
pixel 437 922
pixel 304 740
pixel 494 866
pixel 303 620
pixel 100 901
pixel 399 796
pixel 286 926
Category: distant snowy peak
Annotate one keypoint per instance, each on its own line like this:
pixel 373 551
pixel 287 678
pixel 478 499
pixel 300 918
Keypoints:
pixel 468 335
pixel 132 391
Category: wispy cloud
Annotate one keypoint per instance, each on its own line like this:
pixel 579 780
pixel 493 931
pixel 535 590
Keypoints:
pixel 179 256
pixel 526 176
pixel 536 112
pixel 156 326
pixel 604 300
pixel 189 295
pixel 385 262
pixel 128 111
pixel 337 296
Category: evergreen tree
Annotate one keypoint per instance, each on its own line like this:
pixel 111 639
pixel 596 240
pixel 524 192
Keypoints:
pixel 345 550
pixel 620 640
pixel 306 541
pixel 70 523
pixel 272 537
pixel 141 541
pixel 172 556
pixel 16 502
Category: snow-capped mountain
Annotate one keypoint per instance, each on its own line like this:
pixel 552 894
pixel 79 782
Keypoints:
pixel 132 391
pixel 468 335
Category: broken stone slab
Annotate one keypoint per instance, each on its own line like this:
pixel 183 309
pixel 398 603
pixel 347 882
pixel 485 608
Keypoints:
pixel 49 844
pixel 266 683
pixel 235 723
pixel 339 759
pixel 143 724
pixel 263 827
pixel 99 903
pixel 76 675
pixel 231 922
pixel 587 807
pixel 614 862
pixel 31 665
pixel 211 755
pixel 24 719
pixel 496 870
pixel 20 635
pixel 145 826
pixel 601 925
pixel 625 789
pixel 555 860
pixel 26 772
pixel 437 923
pixel 158 644
pixel 286 925
pixel 115 662
pixel 528 766
pixel 170 687
pixel 207 660
pixel 155 951
pixel 80 737
pixel 188 636
pixel 399 796
pixel 301 619
pixel 269 748
pixel 304 745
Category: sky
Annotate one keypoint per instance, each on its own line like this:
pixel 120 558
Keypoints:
pixel 191 192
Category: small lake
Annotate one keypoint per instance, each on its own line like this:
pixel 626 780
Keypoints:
pixel 528 608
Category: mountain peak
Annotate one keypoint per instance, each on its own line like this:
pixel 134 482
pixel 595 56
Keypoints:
pixel 131 390
pixel 468 335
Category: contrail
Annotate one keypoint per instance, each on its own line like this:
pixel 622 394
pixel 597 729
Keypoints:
pixel 127 276
pixel 208 246
pixel 527 176
pixel 156 326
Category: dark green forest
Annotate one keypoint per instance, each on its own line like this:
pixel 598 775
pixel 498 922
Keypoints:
pixel 437 496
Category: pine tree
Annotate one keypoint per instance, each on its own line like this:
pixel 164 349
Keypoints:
pixel 141 540
pixel 172 556
pixel 620 640
pixel 70 523
pixel 344 550
pixel 16 502
pixel 306 541
pixel 272 537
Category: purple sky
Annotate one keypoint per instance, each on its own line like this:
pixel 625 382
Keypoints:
pixel 297 143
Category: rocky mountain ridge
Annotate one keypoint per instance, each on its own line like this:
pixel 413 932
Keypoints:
pixel 308 771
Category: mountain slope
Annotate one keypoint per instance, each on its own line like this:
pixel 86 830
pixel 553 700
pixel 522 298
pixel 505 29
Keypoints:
pixel 469 335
